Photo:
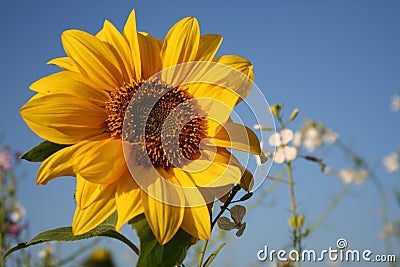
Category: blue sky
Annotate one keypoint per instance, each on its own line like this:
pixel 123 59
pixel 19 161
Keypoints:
pixel 337 61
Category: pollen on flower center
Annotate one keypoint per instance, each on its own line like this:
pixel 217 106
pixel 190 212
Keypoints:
pixel 150 110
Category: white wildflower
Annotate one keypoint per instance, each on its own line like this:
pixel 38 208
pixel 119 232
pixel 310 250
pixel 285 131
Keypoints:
pixel 356 176
pixel 283 151
pixel 45 251
pixel 391 162
pixel 297 139
pixel 17 213
pixel 329 136
pixel 312 139
pixel 395 105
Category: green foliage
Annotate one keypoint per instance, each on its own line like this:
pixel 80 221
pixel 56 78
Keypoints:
pixel 107 229
pixel 42 151
pixel 152 253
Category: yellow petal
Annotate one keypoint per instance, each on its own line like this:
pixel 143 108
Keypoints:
pixel 86 192
pixel 129 201
pixel 208 47
pixel 64 119
pixel 246 181
pixel 193 196
pixel 123 54
pixel 238 84
pixel 181 43
pixel 68 82
pixel 197 222
pixel 236 136
pixel 150 51
pixel 104 163
pixel 239 63
pixel 63 162
pixel 219 93
pixel 65 63
pixel 215 175
pixel 90 217
pixel 164 220
pixel 130 34
pixel 94 58
pixel 216 102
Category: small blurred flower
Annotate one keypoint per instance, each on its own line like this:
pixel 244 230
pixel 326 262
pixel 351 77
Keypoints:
pixel 350 175
pixel 46 251
pixel 297 139
pixel 14 230
pixel 17 213
pixel 260 127
pixel 99 258
pixel 283 152
pixel 395 105
pixel 329 136
pixel 312 139
pixel 313 135
pixel 391 162
pixel 5 160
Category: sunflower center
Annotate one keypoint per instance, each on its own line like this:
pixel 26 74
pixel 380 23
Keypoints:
pixel 163 120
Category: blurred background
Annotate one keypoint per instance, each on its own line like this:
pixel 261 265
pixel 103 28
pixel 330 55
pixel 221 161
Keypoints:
pixel 338 62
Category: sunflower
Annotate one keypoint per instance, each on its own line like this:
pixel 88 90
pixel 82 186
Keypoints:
pixel 103 92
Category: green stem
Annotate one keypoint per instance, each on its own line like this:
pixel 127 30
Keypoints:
pixel 296 237
pixel 235 189
pixel 2 231
pixel 330 208
pixel 384 213
pixel 233 193
pixel 202 253
pixel 75 254
pixel 379 187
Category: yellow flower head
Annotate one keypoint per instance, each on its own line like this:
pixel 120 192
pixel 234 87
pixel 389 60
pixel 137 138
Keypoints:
pixel 147 124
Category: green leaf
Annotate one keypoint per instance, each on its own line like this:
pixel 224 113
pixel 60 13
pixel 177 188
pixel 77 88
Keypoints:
pixel 213 255
pixel 152 253
pixel 42 151
pixel 107 229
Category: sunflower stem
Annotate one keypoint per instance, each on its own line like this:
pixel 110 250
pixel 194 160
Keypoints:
pixel 233 193
pixel 229 201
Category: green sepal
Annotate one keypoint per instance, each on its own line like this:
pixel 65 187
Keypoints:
pixel 107 229
pixel 152 253
pixel 42 151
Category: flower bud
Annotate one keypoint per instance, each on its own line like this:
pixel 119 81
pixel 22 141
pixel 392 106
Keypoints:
pixel 300 220
pixel 296 222
pixel 275 109
pixel 292 222
pixel 260 127
pixel 294 114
